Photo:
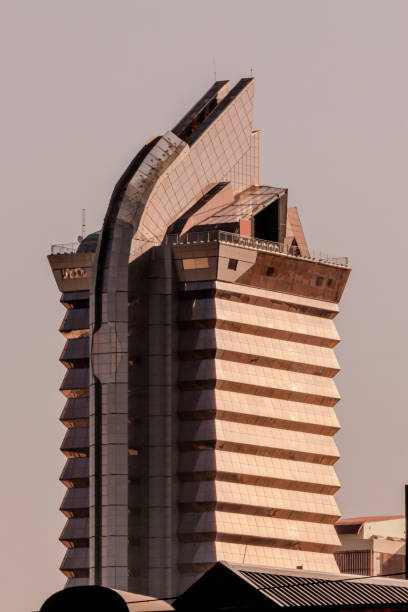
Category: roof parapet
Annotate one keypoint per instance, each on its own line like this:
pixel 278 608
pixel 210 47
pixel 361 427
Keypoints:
pixel 254 243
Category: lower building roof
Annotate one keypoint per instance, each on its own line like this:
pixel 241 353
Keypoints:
pixel 240 587
pixel 353 525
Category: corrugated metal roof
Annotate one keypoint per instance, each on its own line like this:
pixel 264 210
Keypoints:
pixel 298 588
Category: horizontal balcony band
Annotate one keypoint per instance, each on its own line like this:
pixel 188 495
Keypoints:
pixel 76 512
pixel 76 442
pixel 259 471
pixel 257 297
pixel 257 541
pixel 75 299
pixel 76 412
pixel 76 473
pixel 264 481
pixel 258 500
pixel 73 423
pixel 76 379
pixel 255 440
pixel 75 323
pixel 75 363
pixel 258 350
pixel 72 453
pixel 263 451
pixel 75 563
pixel 257 410
pixel 76 503
pixel 267 362
pixel 281 513
pixel 77 437
pixel 75 542
pixel 76 528
pixel 257 320
pixel 76 573
pixel 257 380
pixel 237 526
pixel 75 482
pixel 251 389
pixel 75 533
pixel 75 350
pixel 76 333
pixel 254 330
pixel 75 393
pixel 225 415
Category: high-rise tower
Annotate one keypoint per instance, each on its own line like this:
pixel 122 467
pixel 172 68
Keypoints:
pixel 200 367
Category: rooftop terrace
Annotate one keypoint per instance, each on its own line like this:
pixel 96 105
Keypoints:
pixel 253 243
pixel 229 238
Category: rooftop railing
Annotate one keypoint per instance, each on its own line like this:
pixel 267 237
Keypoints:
pixel 229 238
pixel 64 249
pixel 253 243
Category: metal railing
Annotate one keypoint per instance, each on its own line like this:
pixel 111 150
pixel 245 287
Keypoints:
pixel 229 238
pixel 64 249
pixel 253 243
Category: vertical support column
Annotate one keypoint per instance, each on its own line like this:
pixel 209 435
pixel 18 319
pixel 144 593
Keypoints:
pixel 109 411
pixel 95 468
pixel 160 426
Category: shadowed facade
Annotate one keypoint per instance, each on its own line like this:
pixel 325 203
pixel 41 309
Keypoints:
pixel 200 373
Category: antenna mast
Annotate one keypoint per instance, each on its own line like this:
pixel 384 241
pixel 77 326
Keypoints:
pixel 83 216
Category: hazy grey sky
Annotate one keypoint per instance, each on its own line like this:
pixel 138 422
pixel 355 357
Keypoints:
pixel 84 84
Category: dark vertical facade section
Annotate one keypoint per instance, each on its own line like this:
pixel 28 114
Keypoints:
pixel 138 407
pixel 109 411
pixel 75 446
pixel 72 271
pixel 161 425
pixel 152 423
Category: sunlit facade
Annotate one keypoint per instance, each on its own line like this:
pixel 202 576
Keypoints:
pixel 200 393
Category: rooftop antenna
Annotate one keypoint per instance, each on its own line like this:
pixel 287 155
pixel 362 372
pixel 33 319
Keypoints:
pixel 252 72
pixel 83 230
pixel 215 70
pixel 83 223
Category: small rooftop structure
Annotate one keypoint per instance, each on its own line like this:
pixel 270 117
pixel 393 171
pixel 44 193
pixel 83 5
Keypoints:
pixel 89 243
pixel 383 526
pixel 371 545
